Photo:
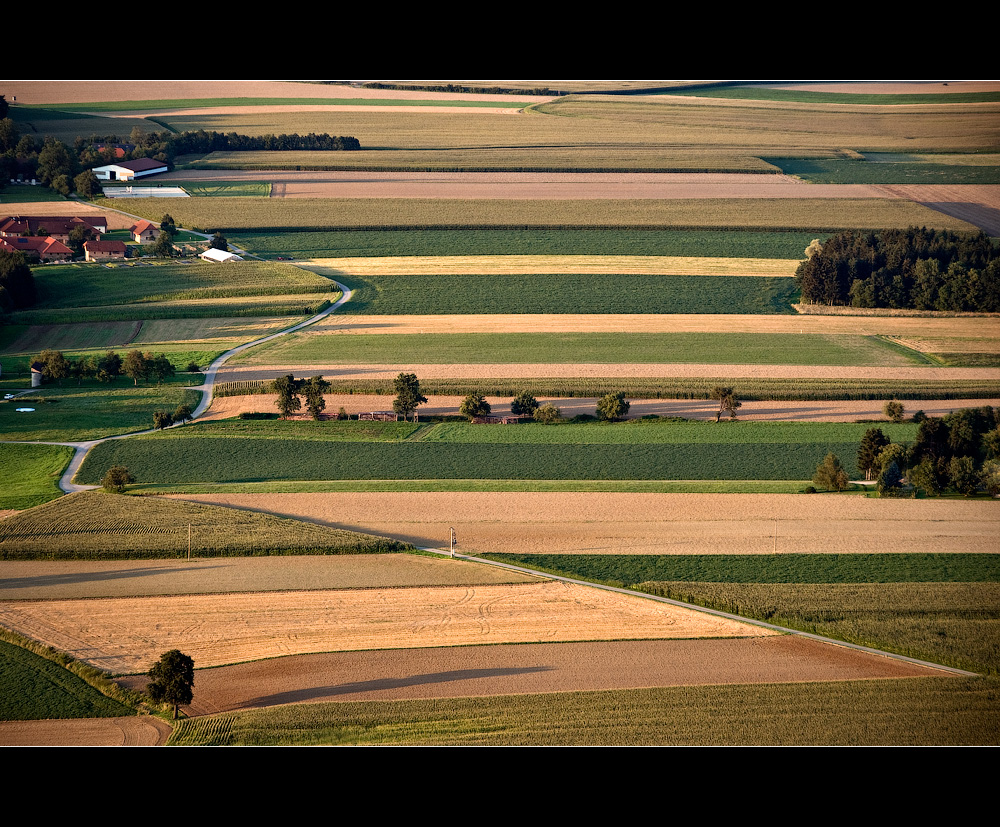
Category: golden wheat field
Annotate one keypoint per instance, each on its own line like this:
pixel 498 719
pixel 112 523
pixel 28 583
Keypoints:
pixel 609 523
pixel 127 635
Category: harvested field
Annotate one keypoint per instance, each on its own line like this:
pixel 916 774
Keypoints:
pixel 128 635
pixel 225 407
pixel 556 185
pixel 138 731
pixel 37 92
pixel 508 265
pixel 977 204
pixel 480 671
pixel 896 87
pixel 70 579
pixel 980 327
pixel 602 523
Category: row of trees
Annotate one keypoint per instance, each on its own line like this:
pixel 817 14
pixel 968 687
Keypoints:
pixel 290 390
pixel 136 365
pixel 915 268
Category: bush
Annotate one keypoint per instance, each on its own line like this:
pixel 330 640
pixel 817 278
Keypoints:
pixel 548 414
pixel 162 419
pixel 893 410
pixel 116 478
pixel 613 406
pixel 524 404
pixel 193 367
pixel 830 475
pixel 474 405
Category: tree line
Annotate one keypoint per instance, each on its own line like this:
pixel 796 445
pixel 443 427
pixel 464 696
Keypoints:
pixel 135 365
pixel 69 169
pixel 915 268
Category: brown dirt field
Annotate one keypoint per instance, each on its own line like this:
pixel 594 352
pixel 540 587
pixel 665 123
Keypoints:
pixel 71 579
pixel 983 327
pixel 480 671
pixel 128 635
pixel 579 371
pixel 493 265
pixel 229 406
pixel 75 91
pixel 139 731
pixel 608 523
pixel 116 220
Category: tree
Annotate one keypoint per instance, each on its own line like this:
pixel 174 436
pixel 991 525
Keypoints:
pixel 871 446
pixel 135 366
pixel 613 406
pixel 109 367
pixel 893 410
pixel 830 474
pixel 890 481
pixel 162 419
pixel 172 679
pixel 182 413
pixel 160 367
pixel 219 242
pixel 53 161
pixel 314 388
pixel 963 476
pixel 728 401
pixel 116 478
pixel 167 225
pixel 924 477
pixel 474 405
pixel 163 247
pixel 287 388
pixel 524 404
pixel 17 284
pixel 548 414
pixel 54 365
pixel 86 184
pixel 408 395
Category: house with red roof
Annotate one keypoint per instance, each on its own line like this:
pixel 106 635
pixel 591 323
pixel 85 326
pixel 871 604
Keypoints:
pixel 144 232
pixel 103 250
pixel 36 248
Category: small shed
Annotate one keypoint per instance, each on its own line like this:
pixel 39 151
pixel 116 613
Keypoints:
pixel 219 256
pixel 37 370
pixel 379 416
pixel 499 419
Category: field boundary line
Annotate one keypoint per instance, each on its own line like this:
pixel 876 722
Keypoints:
pixel 715 612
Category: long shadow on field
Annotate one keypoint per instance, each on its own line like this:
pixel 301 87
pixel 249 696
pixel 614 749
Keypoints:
pixel 388 683
pixel 76 577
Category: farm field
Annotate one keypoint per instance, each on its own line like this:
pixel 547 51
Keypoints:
pixel 568 246
pixel 637 524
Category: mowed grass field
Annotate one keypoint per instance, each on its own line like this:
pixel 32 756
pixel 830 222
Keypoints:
pixel 29 474
pixel 587 348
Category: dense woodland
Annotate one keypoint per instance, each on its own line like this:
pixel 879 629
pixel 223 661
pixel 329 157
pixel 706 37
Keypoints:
pixel 915 268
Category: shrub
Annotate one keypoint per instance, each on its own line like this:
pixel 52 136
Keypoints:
pixel 116 478
pixel 524 404
pixel 893 410
pixel 162 419
pixel 830 474
pixel 474 405
pixel 193 367
pixel 548 414
pixel 613 406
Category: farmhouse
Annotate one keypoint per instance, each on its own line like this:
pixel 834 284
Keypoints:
pixel 144 232
pixel 129 170
pixel 57 226
pixel 219 256
pixel 36 248
pixel 103 250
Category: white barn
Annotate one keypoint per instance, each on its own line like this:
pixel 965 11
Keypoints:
pixel 211 254
pixel 129 170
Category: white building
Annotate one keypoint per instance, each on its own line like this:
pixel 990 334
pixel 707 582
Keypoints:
pixel 129 170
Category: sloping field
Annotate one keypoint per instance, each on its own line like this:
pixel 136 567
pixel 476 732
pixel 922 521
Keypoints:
pixel 129 635
pixel 592 523
pixel 136 731
pixel 501 670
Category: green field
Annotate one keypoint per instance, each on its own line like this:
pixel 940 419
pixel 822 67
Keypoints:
pixel 561 241
pixel 29 474
pixel 759 93
pixel 568 348
pixel 80 413
pixel 850 171
pixel 34 688
pixel 89 285
pixel 436 294
pixel 929 711
pixel 689 451
pixel 98 525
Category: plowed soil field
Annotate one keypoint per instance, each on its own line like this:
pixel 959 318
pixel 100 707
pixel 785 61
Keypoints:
pixel 604 523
